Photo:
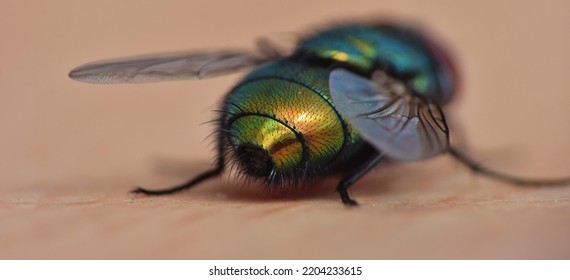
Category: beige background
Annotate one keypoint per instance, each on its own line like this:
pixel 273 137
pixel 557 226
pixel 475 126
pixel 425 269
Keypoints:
pixel 71 151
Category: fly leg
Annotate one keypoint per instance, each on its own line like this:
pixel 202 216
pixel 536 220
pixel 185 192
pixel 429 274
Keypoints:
pixel 483 170
pixel 206 175
pixel 216 171
pixel 352 176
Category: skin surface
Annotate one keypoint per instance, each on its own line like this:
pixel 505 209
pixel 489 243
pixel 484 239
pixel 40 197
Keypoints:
pixel 72 151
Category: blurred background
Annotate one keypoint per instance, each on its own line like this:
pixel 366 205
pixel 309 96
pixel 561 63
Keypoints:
pixel 71 151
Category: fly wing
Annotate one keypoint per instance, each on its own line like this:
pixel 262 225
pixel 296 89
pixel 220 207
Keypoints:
pixel 165 67
pixel 399 124
pixel 277 45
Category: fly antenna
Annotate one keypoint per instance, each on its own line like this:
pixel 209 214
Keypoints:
pixel 515 180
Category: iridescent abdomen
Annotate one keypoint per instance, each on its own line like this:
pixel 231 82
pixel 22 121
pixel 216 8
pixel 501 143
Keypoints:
pixel 280 118
pixel 402 52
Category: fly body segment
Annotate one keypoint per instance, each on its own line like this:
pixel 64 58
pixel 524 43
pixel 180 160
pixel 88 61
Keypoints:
pixel 345 99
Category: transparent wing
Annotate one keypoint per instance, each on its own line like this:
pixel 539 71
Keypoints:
pixel 277 45
pixel 396 122
pixel 165 67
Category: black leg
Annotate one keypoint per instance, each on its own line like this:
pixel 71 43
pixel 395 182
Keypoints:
pixel 352 176
pixel 204 176
pixel 483 170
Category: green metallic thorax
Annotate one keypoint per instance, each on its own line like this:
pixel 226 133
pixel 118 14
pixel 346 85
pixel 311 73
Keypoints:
pixel 400 52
